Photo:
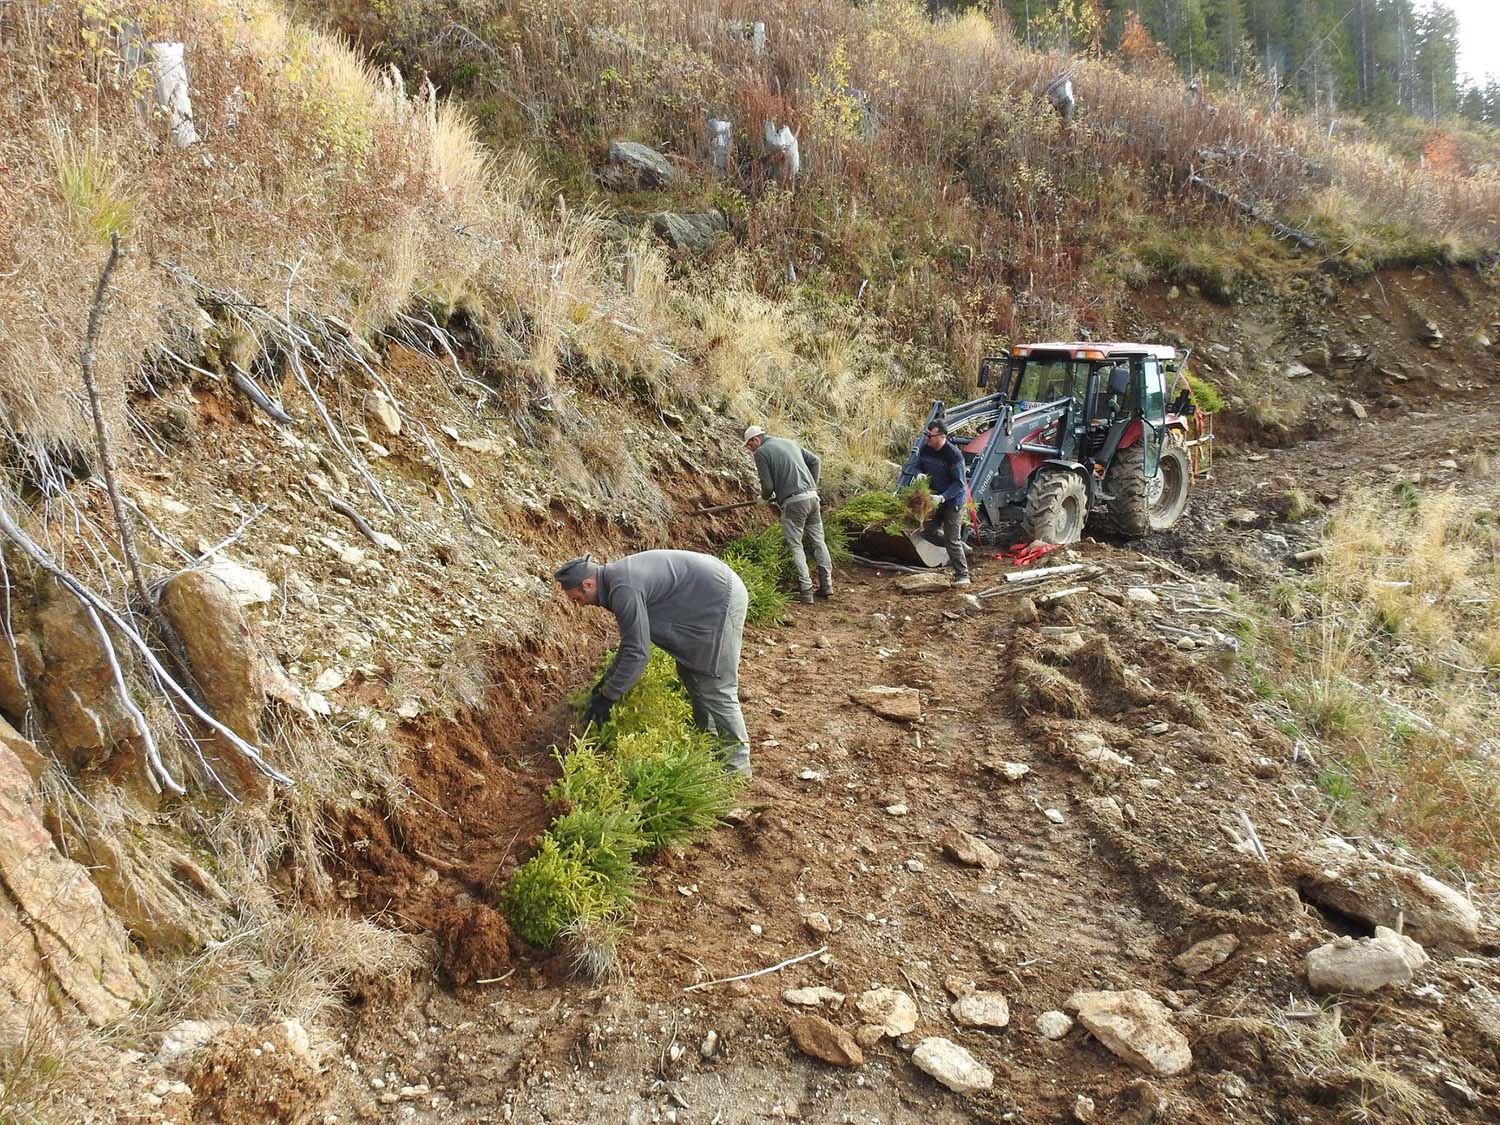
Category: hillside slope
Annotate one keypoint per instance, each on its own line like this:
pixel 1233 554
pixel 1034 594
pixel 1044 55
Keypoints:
pixel 367 375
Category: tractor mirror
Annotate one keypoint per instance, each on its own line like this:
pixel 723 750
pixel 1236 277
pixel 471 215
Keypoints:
pixel 984 373
pixel 1119 380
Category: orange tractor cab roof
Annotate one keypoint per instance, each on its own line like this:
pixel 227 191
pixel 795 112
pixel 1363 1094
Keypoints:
pixel 1088 349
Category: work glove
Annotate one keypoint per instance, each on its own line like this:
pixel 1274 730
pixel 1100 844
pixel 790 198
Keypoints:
pixel 597 711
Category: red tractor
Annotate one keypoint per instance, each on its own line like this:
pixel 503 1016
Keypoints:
pixel 1077 433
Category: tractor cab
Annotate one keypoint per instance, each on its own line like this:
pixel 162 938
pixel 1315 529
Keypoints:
pixel 1077 430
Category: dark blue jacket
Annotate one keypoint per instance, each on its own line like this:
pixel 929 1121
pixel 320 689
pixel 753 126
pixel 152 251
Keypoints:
pixel 945 471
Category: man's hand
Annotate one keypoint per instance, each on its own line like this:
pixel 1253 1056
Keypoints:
pixel 597 711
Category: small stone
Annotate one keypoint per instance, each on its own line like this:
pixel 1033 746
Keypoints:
pixel 817 1037
pixel 957 986
pixel 927 582
pixel 1447 463
pixel 1141 596
pixel 981 1009
pixel 1243 517
pixel 1054 816
pixel 816 923
pixel 916 866
pixel 1054 1024
pixel 889 1009
pixel 898 809
pixel 1207 954
pixel 381 414
pixel 1012 771
pixel 963 848
pixel 710 1045
pixel 1356 409
pixel 1233 1086
pixel 814 996
pixel 952 1065
pixel 1083 1109
pixel 1158 728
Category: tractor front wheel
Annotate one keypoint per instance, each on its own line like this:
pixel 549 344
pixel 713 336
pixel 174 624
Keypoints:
pixel 1142 505
pixel 1056 506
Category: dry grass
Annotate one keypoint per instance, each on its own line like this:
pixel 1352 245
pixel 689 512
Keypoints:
pixel 1390 657
pixel 1369 1089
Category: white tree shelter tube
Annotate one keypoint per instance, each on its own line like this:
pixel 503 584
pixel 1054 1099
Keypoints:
pixel 172 92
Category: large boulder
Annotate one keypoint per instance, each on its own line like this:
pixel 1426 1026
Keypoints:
pixel 206 613
pixel 76 686
pixel 1336 875
pixel 693 230
pixel 1135 1027
pixel 633 165
pixel 62 945
pixel 1366 965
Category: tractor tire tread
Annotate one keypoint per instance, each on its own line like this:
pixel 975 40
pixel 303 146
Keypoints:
pixel 1045 505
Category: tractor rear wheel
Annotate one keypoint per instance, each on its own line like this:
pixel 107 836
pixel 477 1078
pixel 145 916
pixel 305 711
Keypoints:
pixel 1142 505
pixel 1056 506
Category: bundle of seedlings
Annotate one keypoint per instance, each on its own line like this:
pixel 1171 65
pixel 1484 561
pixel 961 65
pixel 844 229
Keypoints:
pixel 644 781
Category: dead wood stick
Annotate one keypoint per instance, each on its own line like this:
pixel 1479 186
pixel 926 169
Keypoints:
pixel 123 522
pixel 251 390
pixel 384 542
pixel 159 771
pixel 758 972
pixel 1043 573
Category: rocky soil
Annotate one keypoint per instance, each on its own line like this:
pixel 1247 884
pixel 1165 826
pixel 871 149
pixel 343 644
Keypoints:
pixel 1030 855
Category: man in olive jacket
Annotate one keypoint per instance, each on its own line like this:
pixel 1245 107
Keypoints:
pixel 690 605
pixel 789 477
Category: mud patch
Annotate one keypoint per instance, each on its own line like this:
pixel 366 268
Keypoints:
pixel 473 945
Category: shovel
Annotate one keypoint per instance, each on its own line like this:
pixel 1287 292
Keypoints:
pixel 725 507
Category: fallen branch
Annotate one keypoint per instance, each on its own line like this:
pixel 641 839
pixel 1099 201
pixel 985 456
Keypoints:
pixel 251 390
pixel 1041 574
pixel 142 728
pixel 758 972
pixel 380 539
pixel 1279 229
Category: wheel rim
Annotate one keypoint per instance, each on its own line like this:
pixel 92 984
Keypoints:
pixel 1161 492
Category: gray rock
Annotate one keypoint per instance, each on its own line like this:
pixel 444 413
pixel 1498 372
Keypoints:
pixel 1084 1110
pixel 688 230
pixel 1335 874
pixel 1054 1024
pixel 1364 965
pixel 381 414
pixel 1135 1027
pixel 635 164
pixel 981 1009
pixel 925 582
pixel 1356 409
pixel 952 1065
pixel 813 997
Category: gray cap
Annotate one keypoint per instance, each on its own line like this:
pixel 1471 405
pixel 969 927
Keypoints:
pixel 575 572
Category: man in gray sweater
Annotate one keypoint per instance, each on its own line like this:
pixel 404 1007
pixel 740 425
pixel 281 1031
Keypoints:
pixel 789 477
pixel 690 605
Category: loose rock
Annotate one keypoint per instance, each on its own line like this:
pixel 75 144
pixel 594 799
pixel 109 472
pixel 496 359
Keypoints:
pixel 814 996
pixel 952 1065
pixel 981 1009
pixel 927 582
pixel 1084 1110
pixel 889 1009
pixel 1335 874
pixel 816 923
pixel 1366 965
pixel 1135 1027
pixel 381 414
pixel 970 850
pixel 817 1037
pixel 1054 1024
pixel 1206 955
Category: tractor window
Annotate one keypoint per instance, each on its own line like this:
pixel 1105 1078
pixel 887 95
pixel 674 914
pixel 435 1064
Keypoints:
pixel 1154 404
pixel 1047 380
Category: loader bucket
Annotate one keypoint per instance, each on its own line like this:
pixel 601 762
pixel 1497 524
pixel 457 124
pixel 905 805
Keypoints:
pixel 910 548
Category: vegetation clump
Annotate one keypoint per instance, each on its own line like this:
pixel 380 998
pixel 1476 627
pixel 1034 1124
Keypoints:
pixel 644 781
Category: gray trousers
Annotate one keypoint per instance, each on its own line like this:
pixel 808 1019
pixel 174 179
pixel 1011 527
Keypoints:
pixel 716 698
pixel 803 519
pixel 952 518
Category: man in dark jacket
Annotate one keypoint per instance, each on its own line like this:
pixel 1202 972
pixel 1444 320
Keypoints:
pixel 789 477
pixel 690 605
pixel 943 464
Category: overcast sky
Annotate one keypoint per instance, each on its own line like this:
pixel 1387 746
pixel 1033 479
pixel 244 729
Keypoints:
pixel 1478 38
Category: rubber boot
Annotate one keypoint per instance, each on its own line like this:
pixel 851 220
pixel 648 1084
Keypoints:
pixel 805 596
pixel 825 583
